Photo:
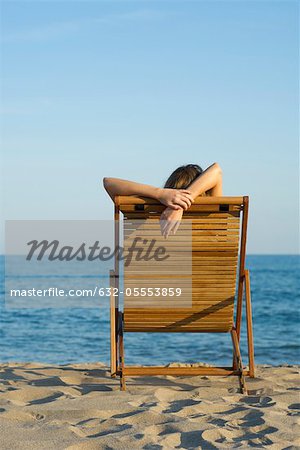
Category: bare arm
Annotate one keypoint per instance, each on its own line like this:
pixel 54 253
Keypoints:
pixel 173 198
pixel 209 181
pixel 116 186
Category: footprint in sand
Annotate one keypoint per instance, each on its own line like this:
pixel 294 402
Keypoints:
pixel 38 416
pixel 126 415
pixel 146 404
pixel 258 402
pixel 110 430
pixel 153 407
pixel 139 436
pixel 179 405
pixel 234 390
pixel 218 422
pixel 22 416
pixel 295 409
pixel 217 435
pixel 252 418
pixel 294 406
pixel 78 431
pixel 250 437
pixel 172 440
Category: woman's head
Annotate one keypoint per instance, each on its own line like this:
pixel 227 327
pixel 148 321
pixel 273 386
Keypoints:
pixel 183 176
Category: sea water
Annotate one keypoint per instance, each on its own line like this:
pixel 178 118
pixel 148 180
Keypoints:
pixel 68 335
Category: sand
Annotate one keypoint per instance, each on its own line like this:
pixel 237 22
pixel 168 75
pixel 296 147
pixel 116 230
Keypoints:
pixel 79 407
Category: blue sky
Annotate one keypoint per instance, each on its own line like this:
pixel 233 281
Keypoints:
pixel 133 89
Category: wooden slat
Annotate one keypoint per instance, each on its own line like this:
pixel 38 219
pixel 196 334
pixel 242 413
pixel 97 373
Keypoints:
pixel 203 292
pixel 222 260
pixel 129 200
pixel 130 273
pixel 192 308
pixel 207 329
pixel 185 240
pixel 184 371
pixel 217 319
pixel 156 217
pixel 171 272
pixel 156 210
pixel 188 297
pixel 205 247
pixel 196 297
pixel 201 282
pixel 164 283
pixel 200 324
pixel 196 231
pixel 163 311
pixel 202 310
pixel 189 235
pixel 150 314
pixel 152 220
pixel 199 316
pixel 180 321
pixel 176 329
pixel 174 240
pixel 202 277
pixel 178 243
pixel 176 260
pixel 221 322
pixel 198 292
pixel 199 265
pixel 148 321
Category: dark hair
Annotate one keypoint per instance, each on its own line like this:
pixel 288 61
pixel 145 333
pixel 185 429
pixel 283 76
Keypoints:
pixel 183 176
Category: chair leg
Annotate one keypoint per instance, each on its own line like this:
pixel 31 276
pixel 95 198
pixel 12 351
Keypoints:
pixel 113 328
pixel 238 358
pixel 114 353
pixel 117 341
pixel 238 316
pixel 249 324
pixel 121 355
pixel 234 361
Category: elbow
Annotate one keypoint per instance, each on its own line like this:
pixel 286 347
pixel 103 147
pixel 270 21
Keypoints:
pixel 217 167
pixel 106 182
pixel 108 186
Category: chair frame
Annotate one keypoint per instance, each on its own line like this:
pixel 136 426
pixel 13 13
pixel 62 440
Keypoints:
pixel 117 363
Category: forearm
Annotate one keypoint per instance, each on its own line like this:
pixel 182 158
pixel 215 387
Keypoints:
pixel 209 181
pixel 117 186
pixel 173 198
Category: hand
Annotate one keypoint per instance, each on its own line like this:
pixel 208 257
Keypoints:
pixel 170 221
pixel 175 198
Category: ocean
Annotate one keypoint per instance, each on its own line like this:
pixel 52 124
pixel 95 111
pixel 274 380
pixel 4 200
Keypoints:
pixel 70 335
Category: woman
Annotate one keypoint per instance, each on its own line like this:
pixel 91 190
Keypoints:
pixel 181 188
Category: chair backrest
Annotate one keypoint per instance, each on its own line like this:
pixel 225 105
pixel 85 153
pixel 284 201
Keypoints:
pixel 218 243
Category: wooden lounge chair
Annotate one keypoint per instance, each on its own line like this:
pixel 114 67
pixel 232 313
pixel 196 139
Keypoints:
pixel 218 230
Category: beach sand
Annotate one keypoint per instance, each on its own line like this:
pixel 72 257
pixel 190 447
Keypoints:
pixel 78 406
